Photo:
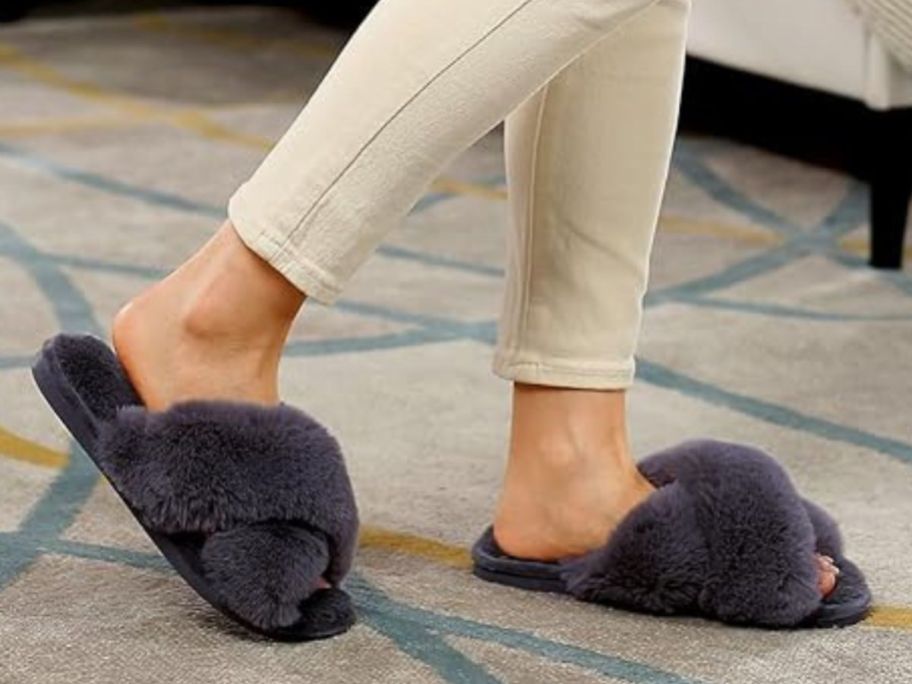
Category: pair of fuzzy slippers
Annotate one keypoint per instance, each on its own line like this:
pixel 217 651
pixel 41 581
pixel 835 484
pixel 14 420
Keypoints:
pixel 254 509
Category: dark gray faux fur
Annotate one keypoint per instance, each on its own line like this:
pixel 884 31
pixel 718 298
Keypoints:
pixel 95 374
pixel 264 572
pixel 726 534
pixel 268 485
pixel 205 466
pixel 263 491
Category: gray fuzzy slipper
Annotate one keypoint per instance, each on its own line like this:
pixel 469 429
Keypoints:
pixel 724 536
pixel 252 505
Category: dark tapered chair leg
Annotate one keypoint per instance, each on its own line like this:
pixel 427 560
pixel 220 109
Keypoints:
pixel 890 176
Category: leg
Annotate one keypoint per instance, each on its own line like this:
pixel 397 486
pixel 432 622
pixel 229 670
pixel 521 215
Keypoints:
pixel 587 159
pixel 417 84
pixel 891 185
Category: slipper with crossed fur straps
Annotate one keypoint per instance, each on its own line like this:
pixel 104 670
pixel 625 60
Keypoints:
pixel 251 505
pixel 725 536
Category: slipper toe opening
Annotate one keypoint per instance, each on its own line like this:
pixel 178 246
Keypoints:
pixel 265 573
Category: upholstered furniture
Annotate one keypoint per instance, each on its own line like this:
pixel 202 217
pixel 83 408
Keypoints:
pixel 823 88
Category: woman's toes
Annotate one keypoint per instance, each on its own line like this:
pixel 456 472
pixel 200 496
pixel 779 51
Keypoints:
pixel 827 574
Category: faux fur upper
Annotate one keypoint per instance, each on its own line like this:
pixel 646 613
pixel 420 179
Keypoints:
pixel 265 572
pixel 256 497
pixel 208 467
pixel 726 534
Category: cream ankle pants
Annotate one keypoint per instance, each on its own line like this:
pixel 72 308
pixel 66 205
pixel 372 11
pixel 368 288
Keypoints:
pixel 589 90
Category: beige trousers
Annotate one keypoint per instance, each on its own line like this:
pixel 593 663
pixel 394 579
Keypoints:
pixel 589 90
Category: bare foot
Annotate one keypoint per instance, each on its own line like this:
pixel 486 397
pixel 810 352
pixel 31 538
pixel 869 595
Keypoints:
pixel 213 329
pixel 571 478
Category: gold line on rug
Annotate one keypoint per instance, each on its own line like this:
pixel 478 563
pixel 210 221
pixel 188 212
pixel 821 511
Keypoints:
pixel 21 449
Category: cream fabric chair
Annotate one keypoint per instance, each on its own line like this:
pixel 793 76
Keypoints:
pixel 823 45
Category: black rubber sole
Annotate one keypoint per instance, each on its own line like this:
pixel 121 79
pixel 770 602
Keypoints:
pixel 492 565
pixel 520 581
pixel 326 613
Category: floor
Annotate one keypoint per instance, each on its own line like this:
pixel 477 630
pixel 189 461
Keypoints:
pixel 121 138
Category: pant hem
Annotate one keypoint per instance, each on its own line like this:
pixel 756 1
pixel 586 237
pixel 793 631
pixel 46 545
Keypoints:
pixel 565 372
pixel 300 271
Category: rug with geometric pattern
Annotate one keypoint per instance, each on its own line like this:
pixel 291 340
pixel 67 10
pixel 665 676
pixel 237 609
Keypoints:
pixel 121 138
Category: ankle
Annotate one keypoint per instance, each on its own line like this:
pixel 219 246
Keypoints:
pixel 218 313
pixel 213 329
pixel 233 293
pixel 561 429
pixel 224 294
pixel 570 476
pixel 565 512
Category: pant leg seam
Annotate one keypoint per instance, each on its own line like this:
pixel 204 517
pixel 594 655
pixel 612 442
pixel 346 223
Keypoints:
pixel 530 218
pixel 395 114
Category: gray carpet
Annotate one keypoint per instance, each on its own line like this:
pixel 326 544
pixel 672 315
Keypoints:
pixel 121 139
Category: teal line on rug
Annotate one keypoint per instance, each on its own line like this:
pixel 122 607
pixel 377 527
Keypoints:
pixel 71 308
pixel 373 601
pixel 850 213
pixel 344 345
pixel 769 412
pixel 687 159
pixel 844 218
pixel 103 266
pixel 779 311
pixel 168 200
pixel 15 558
pixel 751 267
pixel 427 259
pixel 421 641
pixel 414 630
pixel 54 512
pixel 15 362
pixel 88 179
pixel 62 500
pixel 134 559
pixel 19 543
